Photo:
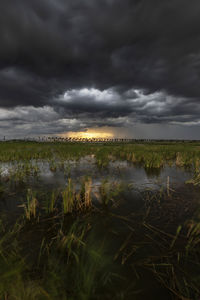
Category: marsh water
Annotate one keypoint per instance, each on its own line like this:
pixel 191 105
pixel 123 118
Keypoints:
pixel 43 176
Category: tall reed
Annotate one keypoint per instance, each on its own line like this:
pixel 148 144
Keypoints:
pixel 31 206
pixel 68 196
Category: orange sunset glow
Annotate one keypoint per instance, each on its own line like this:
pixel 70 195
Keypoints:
pixel 92 133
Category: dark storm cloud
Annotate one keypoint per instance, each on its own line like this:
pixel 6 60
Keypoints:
pixel 156 107
pixel 52 48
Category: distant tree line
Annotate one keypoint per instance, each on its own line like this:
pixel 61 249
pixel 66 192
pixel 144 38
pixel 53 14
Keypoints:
pixel 98 140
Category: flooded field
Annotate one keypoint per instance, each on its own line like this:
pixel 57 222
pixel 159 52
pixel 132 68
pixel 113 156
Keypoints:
pixel 41 176
pixel 99 221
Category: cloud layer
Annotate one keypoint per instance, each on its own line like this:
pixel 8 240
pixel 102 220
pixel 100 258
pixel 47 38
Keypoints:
pixel 69 65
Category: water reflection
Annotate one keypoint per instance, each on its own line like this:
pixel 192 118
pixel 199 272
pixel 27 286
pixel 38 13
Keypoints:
pixel 116 171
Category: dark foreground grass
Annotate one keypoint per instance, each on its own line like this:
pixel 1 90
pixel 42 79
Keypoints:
pixel 152 252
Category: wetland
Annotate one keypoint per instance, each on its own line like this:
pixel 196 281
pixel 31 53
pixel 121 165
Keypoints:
pixel 99 221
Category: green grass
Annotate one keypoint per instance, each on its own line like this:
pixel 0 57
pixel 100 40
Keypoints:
pixel 149 154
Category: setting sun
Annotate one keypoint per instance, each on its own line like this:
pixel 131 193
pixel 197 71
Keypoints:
pixel 94 133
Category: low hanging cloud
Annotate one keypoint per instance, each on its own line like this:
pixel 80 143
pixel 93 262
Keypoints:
pixel 79 109
pixel 136 105
pixel 71 65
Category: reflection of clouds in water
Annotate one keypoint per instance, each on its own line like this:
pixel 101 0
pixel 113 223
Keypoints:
pixel 151 177
pixel 117 171
pixel 4 170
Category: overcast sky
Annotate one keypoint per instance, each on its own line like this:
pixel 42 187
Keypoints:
pixel 132 66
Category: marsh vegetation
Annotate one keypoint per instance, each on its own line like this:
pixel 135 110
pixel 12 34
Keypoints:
pixel 99 221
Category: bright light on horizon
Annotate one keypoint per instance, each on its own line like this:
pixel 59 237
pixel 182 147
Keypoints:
pixel 93 133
